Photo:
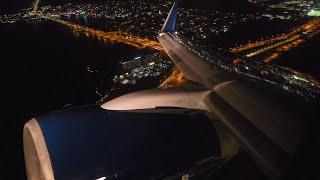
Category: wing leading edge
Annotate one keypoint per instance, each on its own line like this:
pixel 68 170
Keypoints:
pixel 170 23
pixel 190 64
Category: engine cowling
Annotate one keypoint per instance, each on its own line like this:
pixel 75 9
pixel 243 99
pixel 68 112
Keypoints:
pixel 91 142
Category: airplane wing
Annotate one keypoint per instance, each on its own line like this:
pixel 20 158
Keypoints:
pixel 269 130
pixel 192 66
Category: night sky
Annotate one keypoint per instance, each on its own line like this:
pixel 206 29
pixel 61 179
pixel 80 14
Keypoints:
pixel 7 6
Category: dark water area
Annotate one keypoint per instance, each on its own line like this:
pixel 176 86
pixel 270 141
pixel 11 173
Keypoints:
pixel 44 67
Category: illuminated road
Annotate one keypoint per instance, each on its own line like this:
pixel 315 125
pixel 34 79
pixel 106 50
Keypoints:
pixel 117 36
pixel 273 47
pixel 256 44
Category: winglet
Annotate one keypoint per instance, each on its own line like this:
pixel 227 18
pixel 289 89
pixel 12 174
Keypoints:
pixel 170 23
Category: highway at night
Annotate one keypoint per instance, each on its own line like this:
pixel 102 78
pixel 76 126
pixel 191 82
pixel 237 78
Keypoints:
pixel 118 36
pixel 273 47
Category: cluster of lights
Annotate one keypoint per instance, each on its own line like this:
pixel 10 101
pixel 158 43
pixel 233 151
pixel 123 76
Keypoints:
pixel 145 19
pixel 153 65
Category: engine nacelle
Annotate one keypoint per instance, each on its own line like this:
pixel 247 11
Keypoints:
pixel 91 143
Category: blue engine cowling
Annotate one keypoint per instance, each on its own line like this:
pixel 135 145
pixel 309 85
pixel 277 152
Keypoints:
pixel 92 143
